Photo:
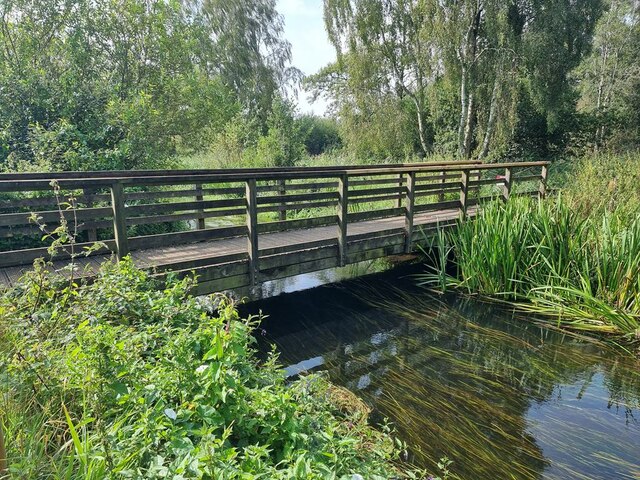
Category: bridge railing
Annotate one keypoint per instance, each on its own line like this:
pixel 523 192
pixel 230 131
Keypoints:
pixel 161 210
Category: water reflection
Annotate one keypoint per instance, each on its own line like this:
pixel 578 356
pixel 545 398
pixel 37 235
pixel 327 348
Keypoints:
pixel 502 397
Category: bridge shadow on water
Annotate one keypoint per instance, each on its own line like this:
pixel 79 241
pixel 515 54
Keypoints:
pixel 499 395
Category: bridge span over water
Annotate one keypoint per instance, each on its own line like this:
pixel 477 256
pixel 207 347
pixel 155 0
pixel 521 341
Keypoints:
pixel 239 228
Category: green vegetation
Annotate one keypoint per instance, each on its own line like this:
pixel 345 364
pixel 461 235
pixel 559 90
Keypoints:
pixel 208 83
pixel 120 379
pixel 574 257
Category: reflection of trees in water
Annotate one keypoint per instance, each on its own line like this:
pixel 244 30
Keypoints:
pixel 457 381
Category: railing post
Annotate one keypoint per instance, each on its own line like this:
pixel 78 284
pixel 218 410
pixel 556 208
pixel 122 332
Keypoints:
pixel 442 182
pixel 464 194
pixel 400 185
pixel 343 216
pixel 410 201
pixel 200 198
pixel 252 230
pixel 282 190
pixel 92 232
pixel 506 187
pixel 542 191
pixel 119 220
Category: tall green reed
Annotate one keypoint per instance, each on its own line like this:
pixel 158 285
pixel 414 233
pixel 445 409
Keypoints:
pixel 583 271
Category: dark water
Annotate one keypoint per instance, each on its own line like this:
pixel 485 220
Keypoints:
pixel 500 396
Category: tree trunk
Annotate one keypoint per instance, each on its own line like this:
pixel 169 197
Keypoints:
pixel 463 111
pixel 491 122
pixel 468 131
pixel 423 141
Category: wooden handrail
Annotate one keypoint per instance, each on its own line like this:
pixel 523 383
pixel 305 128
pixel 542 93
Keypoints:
pixel 265 174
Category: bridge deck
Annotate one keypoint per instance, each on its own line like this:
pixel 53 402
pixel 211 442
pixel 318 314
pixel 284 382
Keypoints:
pixel 209 252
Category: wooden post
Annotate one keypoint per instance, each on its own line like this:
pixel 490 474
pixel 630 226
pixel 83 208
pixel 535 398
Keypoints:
pixel 282 190
pixel 506 188
pixel 343 213
pixel 410 200
pixel 252 231
pixel 464 194
pixel 442 181
pixel 400 184
pixel 542 191
pixel 200 198
pixel 119 220
pixel 92 232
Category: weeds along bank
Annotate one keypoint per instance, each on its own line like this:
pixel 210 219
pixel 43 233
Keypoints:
pixel 118 379
pixel 575 257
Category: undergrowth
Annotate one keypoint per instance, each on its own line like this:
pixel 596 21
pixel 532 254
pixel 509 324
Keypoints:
pixel 118 378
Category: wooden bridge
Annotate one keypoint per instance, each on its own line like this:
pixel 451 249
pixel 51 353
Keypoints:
pixel 239 228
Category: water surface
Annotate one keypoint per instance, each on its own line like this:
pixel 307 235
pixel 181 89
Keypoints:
pixel 500 396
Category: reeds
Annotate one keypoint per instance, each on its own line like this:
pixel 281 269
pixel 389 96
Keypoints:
pixel 582 271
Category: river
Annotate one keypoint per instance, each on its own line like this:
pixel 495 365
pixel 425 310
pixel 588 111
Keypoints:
pixel 498 394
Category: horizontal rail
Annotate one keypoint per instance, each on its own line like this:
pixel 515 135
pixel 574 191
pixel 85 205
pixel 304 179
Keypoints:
pixel 163 180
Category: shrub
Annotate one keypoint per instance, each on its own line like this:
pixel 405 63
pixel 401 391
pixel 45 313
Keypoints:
pixel 126 378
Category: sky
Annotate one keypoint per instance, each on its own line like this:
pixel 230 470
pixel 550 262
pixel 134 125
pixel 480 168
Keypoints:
pixel 310 47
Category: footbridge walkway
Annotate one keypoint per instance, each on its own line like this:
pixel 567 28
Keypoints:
pixel 239 228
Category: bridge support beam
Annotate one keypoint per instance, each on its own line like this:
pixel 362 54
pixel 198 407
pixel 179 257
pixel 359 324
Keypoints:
pixel 506 187
pixel 464 194
pixel 199 198
pixel 343 214
pixel 542 191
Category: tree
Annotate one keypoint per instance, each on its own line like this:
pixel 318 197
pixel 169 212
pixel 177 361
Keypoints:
pixel 492 56
pixel 94 84
pixel 609 78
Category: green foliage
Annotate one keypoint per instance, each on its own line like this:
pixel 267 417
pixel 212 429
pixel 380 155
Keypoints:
pixel 127 378
pixel 320 134
pixel 482 79
pixel 121 84
pixel 609 80
pixel 585 271
pixel 282 146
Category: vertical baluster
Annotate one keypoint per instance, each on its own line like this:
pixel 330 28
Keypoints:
pixel 282 190
pixel 119 220
pixel 343 213
pixel 464 194
pixel 542 191
pixel 442 182
pixel 252 231
pixel 400 190
pixel 200 198
pixel 506 187
pixel 92 232
pixel 409 211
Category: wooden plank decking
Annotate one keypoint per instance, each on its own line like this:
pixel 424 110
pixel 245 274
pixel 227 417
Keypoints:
pixel 182 257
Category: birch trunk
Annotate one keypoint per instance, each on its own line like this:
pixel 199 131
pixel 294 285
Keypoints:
pixel 491 122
